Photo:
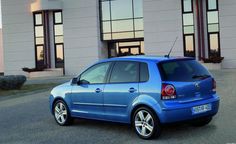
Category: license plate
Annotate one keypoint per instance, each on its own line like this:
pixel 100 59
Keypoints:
pixel 201 109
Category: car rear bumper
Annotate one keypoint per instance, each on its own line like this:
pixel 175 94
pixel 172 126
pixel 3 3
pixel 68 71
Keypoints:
pixel 176 112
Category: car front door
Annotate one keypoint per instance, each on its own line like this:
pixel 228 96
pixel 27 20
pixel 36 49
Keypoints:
pixel 121 90
pixel 87 95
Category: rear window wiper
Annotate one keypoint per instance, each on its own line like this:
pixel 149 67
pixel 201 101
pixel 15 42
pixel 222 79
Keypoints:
pixel 200 76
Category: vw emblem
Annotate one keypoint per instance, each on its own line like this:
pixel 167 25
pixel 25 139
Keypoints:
pixel 197 86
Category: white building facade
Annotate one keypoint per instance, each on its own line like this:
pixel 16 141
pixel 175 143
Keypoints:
pixel 72 34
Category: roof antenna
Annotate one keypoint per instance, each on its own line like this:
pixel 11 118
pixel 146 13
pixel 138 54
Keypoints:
pixel 167 56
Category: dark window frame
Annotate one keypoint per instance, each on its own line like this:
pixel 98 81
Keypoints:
pixel 35 37
pixel 218 54
pixel 134 31
pixel 54 35
pixel 188 34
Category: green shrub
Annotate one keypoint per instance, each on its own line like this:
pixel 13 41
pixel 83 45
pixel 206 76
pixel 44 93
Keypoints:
pixel 12 82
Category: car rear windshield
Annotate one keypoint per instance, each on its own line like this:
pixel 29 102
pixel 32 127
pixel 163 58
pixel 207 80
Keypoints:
pixel 182 71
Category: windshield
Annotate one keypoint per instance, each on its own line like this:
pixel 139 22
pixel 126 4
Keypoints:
pixel 182 71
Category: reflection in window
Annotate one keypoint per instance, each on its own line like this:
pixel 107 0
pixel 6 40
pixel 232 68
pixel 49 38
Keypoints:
pixel 213 28
pixel 39 39
pixel 188 28
pixel 58 39
pixel 117 49
pixel 121 19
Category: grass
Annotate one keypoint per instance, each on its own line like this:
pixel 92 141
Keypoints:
pixel 28 89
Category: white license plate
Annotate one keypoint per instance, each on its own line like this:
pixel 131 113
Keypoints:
pixel 201 108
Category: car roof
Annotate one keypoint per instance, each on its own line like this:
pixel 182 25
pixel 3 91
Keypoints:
pixel 142 58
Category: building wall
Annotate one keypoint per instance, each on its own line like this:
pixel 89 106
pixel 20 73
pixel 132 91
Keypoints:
pixel 81 35
pixel 162 24
pixel 18 36
pixel 227 17
pixel 1 53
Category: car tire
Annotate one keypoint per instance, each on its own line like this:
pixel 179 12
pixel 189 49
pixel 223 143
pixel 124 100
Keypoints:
pixel 201 121
pixel 146 123
pixel 61 113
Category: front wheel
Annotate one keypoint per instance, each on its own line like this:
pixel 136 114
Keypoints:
pixel 146 123
pixel 61 113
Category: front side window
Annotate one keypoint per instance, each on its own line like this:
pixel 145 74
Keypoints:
pixel 121 19
pixel 96 74
pixel 124 72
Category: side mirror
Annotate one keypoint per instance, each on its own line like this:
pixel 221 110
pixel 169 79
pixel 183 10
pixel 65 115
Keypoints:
pixel 74 80
pixel 80 82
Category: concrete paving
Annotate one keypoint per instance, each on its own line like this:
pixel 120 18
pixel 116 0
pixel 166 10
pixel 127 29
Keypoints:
pixel 27 120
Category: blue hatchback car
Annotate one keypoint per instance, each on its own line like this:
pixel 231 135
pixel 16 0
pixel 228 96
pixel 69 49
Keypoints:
pixel 144 91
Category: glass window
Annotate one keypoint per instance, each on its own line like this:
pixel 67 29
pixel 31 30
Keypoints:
pixel 58 17
pixel 38 19
pixel 138 11
pixel 106 10
pixel 58 39
pixel 121 19
pixel 144 73
pixel 121 9
pixel 124 72
pixel 59 56
pixel 188 28
pixel 187 5
pixel 39 31
pixel 58 29
pixel 213 28
pixel 212 4
pixel 124 25
pixel 214 42
pixel 212 17
pixel 182 70
pixel 188 19
pixel 96 74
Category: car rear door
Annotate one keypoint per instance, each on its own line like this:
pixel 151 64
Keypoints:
pixel 121 90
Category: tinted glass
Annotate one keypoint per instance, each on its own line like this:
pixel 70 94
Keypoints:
pixel 182 70
pixel 124 72
pixel 96 74
pixel 144 73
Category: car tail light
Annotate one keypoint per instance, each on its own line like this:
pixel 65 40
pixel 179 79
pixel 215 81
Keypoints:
pixel 168 92
pixel 213 85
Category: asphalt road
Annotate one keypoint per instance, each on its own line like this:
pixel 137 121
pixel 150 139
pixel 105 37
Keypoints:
pixel 27 120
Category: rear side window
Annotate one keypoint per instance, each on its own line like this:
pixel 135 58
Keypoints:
pixel 124 72
pixel 182 70
pixel 144 74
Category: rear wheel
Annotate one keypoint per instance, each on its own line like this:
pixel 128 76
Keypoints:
pixel 146 123
pixel 201 121
pixel 61 113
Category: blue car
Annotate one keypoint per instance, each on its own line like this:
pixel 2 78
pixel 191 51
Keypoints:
pixel 143 91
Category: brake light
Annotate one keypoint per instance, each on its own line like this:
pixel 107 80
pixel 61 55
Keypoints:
pixel 213 85
pixel 168 92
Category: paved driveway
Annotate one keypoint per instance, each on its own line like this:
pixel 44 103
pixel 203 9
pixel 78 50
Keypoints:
pixel 27 120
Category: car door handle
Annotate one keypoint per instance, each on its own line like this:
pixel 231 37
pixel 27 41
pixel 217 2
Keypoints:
pixel 132 90
pixel 98 90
